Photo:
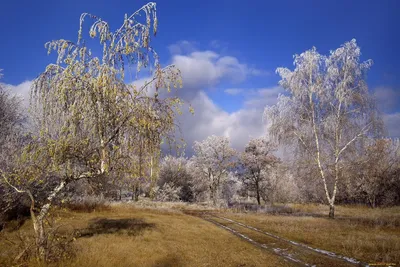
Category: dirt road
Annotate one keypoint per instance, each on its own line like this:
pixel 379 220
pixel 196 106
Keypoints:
pixel 296 253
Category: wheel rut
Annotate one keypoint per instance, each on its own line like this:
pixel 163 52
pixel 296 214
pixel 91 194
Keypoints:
pixel 297 254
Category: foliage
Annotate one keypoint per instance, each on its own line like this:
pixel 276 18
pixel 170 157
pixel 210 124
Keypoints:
pixel 86 204
pixel 91 121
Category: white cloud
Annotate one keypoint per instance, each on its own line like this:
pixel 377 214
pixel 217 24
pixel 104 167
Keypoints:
pixel 233 91
pixel 259 72
pixel 260 98
pixel 202 70
pixel 387 98
pixel 388 101
pixel 22 90
pixel 210 119
pixel 392 123
pixel 182 47
pixel 257 98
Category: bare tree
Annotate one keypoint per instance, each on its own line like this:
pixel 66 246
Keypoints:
pixel 257 162
pixel 377 171
pixel 213 158
pixel 327 108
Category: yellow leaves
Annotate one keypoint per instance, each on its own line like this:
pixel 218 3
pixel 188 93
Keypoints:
pixel 155 25
pixel 92 34
pixel 128 49
pixel 88 98
pixel 191 110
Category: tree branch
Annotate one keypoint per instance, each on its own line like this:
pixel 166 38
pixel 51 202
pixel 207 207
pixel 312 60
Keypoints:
pixel 352 140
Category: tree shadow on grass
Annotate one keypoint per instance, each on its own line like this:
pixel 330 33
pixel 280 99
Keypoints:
pixel 168 261
pixel 99 226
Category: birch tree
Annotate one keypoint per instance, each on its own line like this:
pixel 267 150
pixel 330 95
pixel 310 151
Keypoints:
pixel 325 110
pixel 257 162
pixel 213 158
pixel 89 118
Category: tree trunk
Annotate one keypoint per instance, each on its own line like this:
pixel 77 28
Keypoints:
pixel 213 195
pixel 331 210
pixel 38 228
pixel 103 158
pixel 258 193
pixel 372 201
pixel 40 238
pixel 135 193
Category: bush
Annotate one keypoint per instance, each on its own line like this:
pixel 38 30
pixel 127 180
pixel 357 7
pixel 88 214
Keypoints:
pixel 24 251
pixel 167 192
pixel 86 204
pixel 175 173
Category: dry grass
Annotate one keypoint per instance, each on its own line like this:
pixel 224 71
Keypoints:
pixel 161 234
pixel 371 235
pixel 131 236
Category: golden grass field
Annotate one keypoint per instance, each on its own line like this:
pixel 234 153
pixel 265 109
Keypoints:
pixel 370 235
pixel 165 235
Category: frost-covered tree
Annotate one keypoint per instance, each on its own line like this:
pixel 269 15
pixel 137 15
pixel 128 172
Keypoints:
pixel 11 140
pixel 325 110
pixel 213 158
pixel 377 172
pixel 231 188
pixel 199 187
pixel 90 119
pixel 257 162
pixel 11 117
pixel 174 171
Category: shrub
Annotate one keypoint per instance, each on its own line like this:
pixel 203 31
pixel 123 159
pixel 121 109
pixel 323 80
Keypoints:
pixel 86 204
pixel 167 192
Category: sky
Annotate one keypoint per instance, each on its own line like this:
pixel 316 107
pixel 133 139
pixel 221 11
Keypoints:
pixel 228 51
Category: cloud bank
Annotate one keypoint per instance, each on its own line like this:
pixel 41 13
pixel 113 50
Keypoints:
pixel 203 70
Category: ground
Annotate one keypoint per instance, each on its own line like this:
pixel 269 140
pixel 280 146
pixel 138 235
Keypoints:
pixel 189 235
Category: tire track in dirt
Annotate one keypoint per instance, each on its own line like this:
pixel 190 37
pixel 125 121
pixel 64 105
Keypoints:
pixel 297 244
pixel 296 253
pixel 279 252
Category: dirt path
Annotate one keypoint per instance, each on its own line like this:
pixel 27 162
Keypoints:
pixel 297 254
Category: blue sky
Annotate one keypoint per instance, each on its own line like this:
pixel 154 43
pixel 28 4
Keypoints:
pixel 259 35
